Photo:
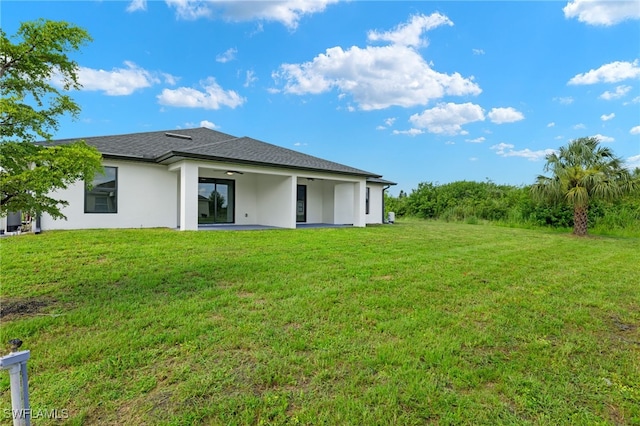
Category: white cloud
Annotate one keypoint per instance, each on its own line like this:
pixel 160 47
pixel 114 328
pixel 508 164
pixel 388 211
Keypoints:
pixel 633 162
pixel 505 115
pixel 506 150
pixel 228 55
pixel 477 51
pixel 250 79
pixel 635 100
pixel 501 147
pixel 609 73
pixel 607 117
pixel 619 93
pixel 602 12
pixel 635 130
pixel 604 139
pixel 476 140
pixel 567 100
pixel 213 97
pixel 119 81
pixel 190 9
pixel 579 126
pixel 388 122
pixel 473 158
pixel 170 79
pixel 552 124
pixel 136 5
pixel 287 12
pixel 410 33
pixel 448 118
pixel 377 77
pixel 208 124
pixel 410 132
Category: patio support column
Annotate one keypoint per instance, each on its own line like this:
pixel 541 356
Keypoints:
pixel 188 196
pixel 359 197
pixel 293 194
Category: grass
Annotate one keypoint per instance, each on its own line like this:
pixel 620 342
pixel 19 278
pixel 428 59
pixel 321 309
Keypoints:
pixel 413 323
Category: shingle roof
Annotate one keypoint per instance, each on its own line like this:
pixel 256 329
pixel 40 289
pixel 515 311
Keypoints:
pixel 203 143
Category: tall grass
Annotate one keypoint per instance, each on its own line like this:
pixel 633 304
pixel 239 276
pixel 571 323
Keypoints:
pixel 415 323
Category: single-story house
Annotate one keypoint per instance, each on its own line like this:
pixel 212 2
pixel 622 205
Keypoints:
pixel 192 179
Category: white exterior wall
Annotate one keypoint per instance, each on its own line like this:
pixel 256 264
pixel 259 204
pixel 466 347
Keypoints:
pixel 343 204
pixel 315 200
pixel 328 207
pixel 376 215
pixel 246 212
pixel 188 196
pixel 276 201
pixel 147 198
pixel 155 195
pixel 359 194
pixel 246 199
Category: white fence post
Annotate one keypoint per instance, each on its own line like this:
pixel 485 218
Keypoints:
pixel 16 363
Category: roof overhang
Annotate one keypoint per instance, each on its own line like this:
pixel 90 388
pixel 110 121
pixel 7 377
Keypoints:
pixel 175 156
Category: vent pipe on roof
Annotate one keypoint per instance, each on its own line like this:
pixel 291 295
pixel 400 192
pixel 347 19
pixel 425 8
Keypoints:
pixel 175 135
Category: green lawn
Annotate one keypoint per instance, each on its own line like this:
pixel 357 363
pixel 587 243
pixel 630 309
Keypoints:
pixel 413 323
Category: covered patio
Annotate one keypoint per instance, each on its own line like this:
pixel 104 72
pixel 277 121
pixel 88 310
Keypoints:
pixel 226 196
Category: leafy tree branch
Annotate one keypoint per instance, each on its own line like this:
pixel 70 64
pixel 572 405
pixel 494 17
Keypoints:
pixel 31 105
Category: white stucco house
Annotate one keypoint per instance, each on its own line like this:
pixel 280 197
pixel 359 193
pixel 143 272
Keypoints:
pixel 198 178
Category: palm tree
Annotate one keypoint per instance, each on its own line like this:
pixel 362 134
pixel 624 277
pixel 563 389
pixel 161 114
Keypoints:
pixel 583 171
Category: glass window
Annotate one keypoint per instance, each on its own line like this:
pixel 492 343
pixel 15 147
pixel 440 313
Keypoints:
pixel 103 195
pixel 301 204
pixel 216 201
pixel 367 201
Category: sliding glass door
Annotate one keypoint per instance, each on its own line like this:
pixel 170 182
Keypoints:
pixel 216 201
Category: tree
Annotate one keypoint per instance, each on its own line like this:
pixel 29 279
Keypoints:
pixel 216 202
pixel 581 172
pixel 30 107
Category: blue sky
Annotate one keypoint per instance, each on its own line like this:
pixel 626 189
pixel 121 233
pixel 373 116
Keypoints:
pixel 416 91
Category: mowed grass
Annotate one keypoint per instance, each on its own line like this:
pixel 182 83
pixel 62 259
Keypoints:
pixel 412 323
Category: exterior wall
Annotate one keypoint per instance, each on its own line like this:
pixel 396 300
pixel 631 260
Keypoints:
pixel 147 198
pixel 315 200
pixel 359 194
pixel 276 201
pixel 246 199
pixel 328 207
pixel 343 204
pixel 376 214
pixel 246 190
pixel 188 192
pixel 155 195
